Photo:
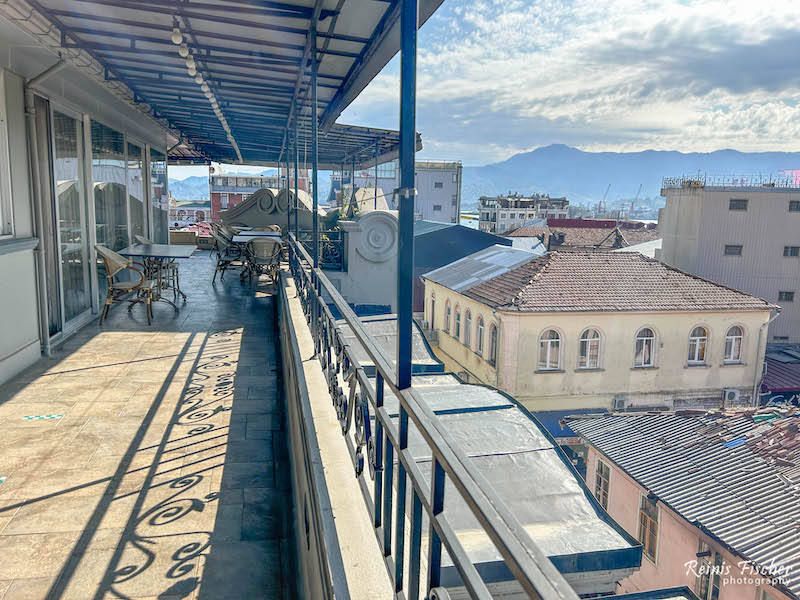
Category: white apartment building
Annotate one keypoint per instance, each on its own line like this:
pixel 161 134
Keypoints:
pixel 740 232
pixel 438 186
pixel 503 213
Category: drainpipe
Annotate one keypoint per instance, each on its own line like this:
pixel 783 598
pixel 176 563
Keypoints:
pixel 756 376
pixel 36 192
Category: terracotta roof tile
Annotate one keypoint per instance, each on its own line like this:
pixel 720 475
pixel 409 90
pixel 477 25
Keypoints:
pixel 585 237
pixel 577 281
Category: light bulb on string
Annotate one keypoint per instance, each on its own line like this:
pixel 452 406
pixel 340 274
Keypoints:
pixel 192 71
pixel 190 62
pixel 183 50
pixel 177 36
pixel 198 78
pixel 204 87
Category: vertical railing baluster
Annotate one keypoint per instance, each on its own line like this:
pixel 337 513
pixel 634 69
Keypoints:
pixel 414 551
pixel 388 468
pixel 378 440
pixel 400 507
pixel 434 543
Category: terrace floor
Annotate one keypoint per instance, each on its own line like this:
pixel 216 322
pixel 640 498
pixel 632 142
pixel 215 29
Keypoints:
pixel 151 461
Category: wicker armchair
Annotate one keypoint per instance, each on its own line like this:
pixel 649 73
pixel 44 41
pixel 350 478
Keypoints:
pixel 228 255
pixel 264 256
pixel 117 290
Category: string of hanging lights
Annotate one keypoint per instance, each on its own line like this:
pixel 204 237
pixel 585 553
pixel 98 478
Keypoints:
pixel 191 66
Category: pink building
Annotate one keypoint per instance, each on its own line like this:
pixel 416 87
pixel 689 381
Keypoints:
pixel 712 497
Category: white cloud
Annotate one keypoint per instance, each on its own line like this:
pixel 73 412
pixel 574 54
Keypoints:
pixel 496 77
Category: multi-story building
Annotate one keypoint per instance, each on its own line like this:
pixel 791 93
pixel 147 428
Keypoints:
pixel 438 186
pixel 188 213
pixel 602 330
pixel 503 213
pixel 740 233
pixel 712 497
pixel 228 191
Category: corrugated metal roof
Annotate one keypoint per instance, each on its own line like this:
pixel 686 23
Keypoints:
pixel 422 227
pixel 531 475
pixel 471 270
pixel 746 495
pixel 532 244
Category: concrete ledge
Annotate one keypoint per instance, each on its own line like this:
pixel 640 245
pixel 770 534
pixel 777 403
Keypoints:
pixel 337 553
pixel 18 245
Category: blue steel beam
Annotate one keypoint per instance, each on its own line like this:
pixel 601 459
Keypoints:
pixel 296 165
pixel 407 192
pixel 312 35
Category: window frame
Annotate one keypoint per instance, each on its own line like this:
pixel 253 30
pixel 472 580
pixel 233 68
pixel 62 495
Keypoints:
pixel 549 342
pixel 494 343
pixel 739 250
pixel 793 251
pixel 467 327
pixel 457 322
pixel 640 514
pixel 599 479
pixel 447 314
pixel 479 335
pixel 433 309
pixel 7 221
pixel 692 358
pixel 653 338
pixel 789 299
pixel 731 204
pixel 728 337
pixel 794 205
pixel 589 341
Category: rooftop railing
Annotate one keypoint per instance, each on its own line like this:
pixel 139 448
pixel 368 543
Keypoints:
pixel 361 406
pixel 769 180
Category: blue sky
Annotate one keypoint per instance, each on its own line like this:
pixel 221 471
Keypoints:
pixel 498 77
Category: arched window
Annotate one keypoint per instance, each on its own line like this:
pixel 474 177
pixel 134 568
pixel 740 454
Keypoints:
pixel 698 340
pixel 467 328
pixel 589 350
pixel 733 344
pixel 447 315
pixel 458 323
pixel 433 310
pixel 549 350
pixel 479 337
pixel 645 355
pixel 493 344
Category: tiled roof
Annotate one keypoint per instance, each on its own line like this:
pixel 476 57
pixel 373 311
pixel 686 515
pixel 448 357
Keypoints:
pixel 736 474
pixel 605 281
pixel 585 237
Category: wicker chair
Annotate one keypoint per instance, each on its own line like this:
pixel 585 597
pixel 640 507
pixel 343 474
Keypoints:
pixel 228 254
pixel 117 290
pixel 171 268
pixel 264 256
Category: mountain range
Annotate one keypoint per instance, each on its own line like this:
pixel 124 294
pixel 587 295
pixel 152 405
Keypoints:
pixel 583 177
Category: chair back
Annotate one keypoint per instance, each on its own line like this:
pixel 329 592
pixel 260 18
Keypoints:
pixel 220 242
pixel 114 262
pixel 140 239
pixel 264 249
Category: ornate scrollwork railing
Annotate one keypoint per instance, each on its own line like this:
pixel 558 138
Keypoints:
pixel 375 437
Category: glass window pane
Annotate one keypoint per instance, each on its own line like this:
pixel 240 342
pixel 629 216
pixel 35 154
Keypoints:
pixel 158 193
pixel 136 195
pixel 72 222
pixel 110 196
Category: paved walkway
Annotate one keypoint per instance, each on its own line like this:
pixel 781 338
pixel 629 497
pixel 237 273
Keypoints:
pixel 151 462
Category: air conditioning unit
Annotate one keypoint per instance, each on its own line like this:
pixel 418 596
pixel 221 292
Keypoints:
pixel 730 397
pixel 619 403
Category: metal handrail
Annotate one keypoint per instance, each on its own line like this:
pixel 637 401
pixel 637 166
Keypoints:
pixel 526 561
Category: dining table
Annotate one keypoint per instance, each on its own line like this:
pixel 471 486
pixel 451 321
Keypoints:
pixel 156 257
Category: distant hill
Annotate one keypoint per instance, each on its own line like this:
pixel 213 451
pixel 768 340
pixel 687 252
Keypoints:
pixel 584 176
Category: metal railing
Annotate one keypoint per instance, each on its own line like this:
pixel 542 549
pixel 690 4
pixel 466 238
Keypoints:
pixel 331 248
pixel 761 180
pixel 356 409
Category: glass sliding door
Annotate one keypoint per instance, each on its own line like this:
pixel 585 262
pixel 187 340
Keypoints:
pixel 73 232
pixel 109 193
pixel 136 190
pixel 158 194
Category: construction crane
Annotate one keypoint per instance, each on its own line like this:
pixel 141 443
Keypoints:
pixel 602 206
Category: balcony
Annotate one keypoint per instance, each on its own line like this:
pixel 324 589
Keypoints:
pixel 152 461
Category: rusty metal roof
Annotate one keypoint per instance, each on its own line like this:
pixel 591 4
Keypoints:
pixel 735 474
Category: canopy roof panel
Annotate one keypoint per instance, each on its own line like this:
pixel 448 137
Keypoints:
pixel 255 57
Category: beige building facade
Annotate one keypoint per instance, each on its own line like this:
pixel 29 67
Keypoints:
pixel 740 235
pixel 614 359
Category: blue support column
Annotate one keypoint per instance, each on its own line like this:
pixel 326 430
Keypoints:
pixel 296 167
pixel 289 154
pixel 376 176
pixel 405 246
pixel 314 157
